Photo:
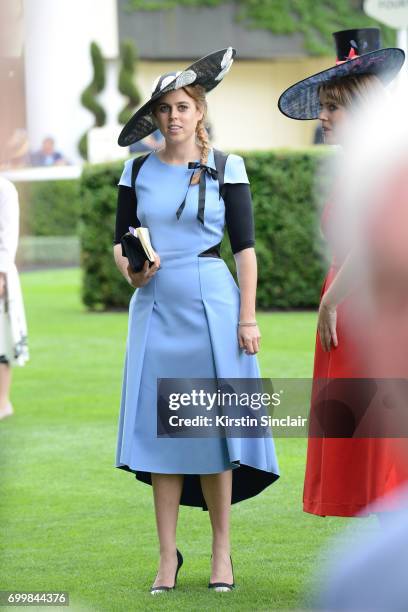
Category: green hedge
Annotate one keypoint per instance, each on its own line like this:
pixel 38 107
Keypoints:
pixel 103 287
pixel 49 208
pixel 290 261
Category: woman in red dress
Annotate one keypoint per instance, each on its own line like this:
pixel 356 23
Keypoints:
pixel 344 472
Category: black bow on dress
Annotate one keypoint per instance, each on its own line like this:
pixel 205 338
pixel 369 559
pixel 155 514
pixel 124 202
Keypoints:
pixel 201 190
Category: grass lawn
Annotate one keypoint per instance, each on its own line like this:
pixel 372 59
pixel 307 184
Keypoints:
pixel 72 522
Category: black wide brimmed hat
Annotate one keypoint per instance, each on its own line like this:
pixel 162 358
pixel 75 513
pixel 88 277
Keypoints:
pixel 358 52
pixel 207 72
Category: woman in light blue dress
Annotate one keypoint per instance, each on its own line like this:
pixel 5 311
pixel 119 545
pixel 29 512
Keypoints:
pixel 188 319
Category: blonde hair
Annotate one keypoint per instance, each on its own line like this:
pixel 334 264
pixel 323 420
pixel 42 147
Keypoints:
pixel 197 93
pixel 351 90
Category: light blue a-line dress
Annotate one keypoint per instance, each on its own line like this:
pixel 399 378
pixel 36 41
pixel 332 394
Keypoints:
pixel 183 324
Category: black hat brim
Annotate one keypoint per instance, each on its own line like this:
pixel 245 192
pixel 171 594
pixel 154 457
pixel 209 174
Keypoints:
pixel 209 74
pixel 301 100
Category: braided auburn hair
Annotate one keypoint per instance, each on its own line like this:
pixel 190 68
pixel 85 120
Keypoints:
pixel 197 92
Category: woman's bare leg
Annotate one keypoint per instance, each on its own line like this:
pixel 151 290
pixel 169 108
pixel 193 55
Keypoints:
pixel 217 490
pixel 5 384
pixel 167 490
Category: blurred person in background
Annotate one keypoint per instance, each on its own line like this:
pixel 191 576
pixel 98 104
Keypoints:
pixel 344 472
pixel 366 572
pixel 16 153
pixel 367 568
pixel 47 155
pixel 13 328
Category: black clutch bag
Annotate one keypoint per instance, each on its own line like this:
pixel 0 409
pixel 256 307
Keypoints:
pixel 132 249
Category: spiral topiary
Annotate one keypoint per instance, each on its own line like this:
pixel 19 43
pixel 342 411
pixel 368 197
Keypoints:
pixel 88 97
pixel 126 85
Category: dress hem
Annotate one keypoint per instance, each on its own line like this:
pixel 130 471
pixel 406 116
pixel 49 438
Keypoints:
pixel 329 509
pixel 192 493
pixel 127 468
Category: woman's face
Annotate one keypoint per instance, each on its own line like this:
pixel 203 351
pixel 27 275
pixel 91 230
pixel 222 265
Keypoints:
pixel 177 116
pixel 333 117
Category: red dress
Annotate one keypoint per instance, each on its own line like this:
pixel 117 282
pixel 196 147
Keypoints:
pixel 344 475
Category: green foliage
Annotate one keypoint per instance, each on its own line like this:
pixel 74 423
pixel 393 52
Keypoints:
pixel 316 20
pixel 289 252
pixel 49 208
pixel 88 97
pixel 103 285
pixel 126 84
pixel 83 145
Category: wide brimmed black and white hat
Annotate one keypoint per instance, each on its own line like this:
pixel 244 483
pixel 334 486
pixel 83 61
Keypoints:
pixel 207 72
pixel 358 52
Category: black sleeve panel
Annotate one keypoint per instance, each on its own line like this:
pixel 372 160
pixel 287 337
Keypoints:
pixel 126 212
pixel 239 217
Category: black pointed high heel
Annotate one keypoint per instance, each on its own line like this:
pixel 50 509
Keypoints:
pixel 222 587
pixel 164 589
